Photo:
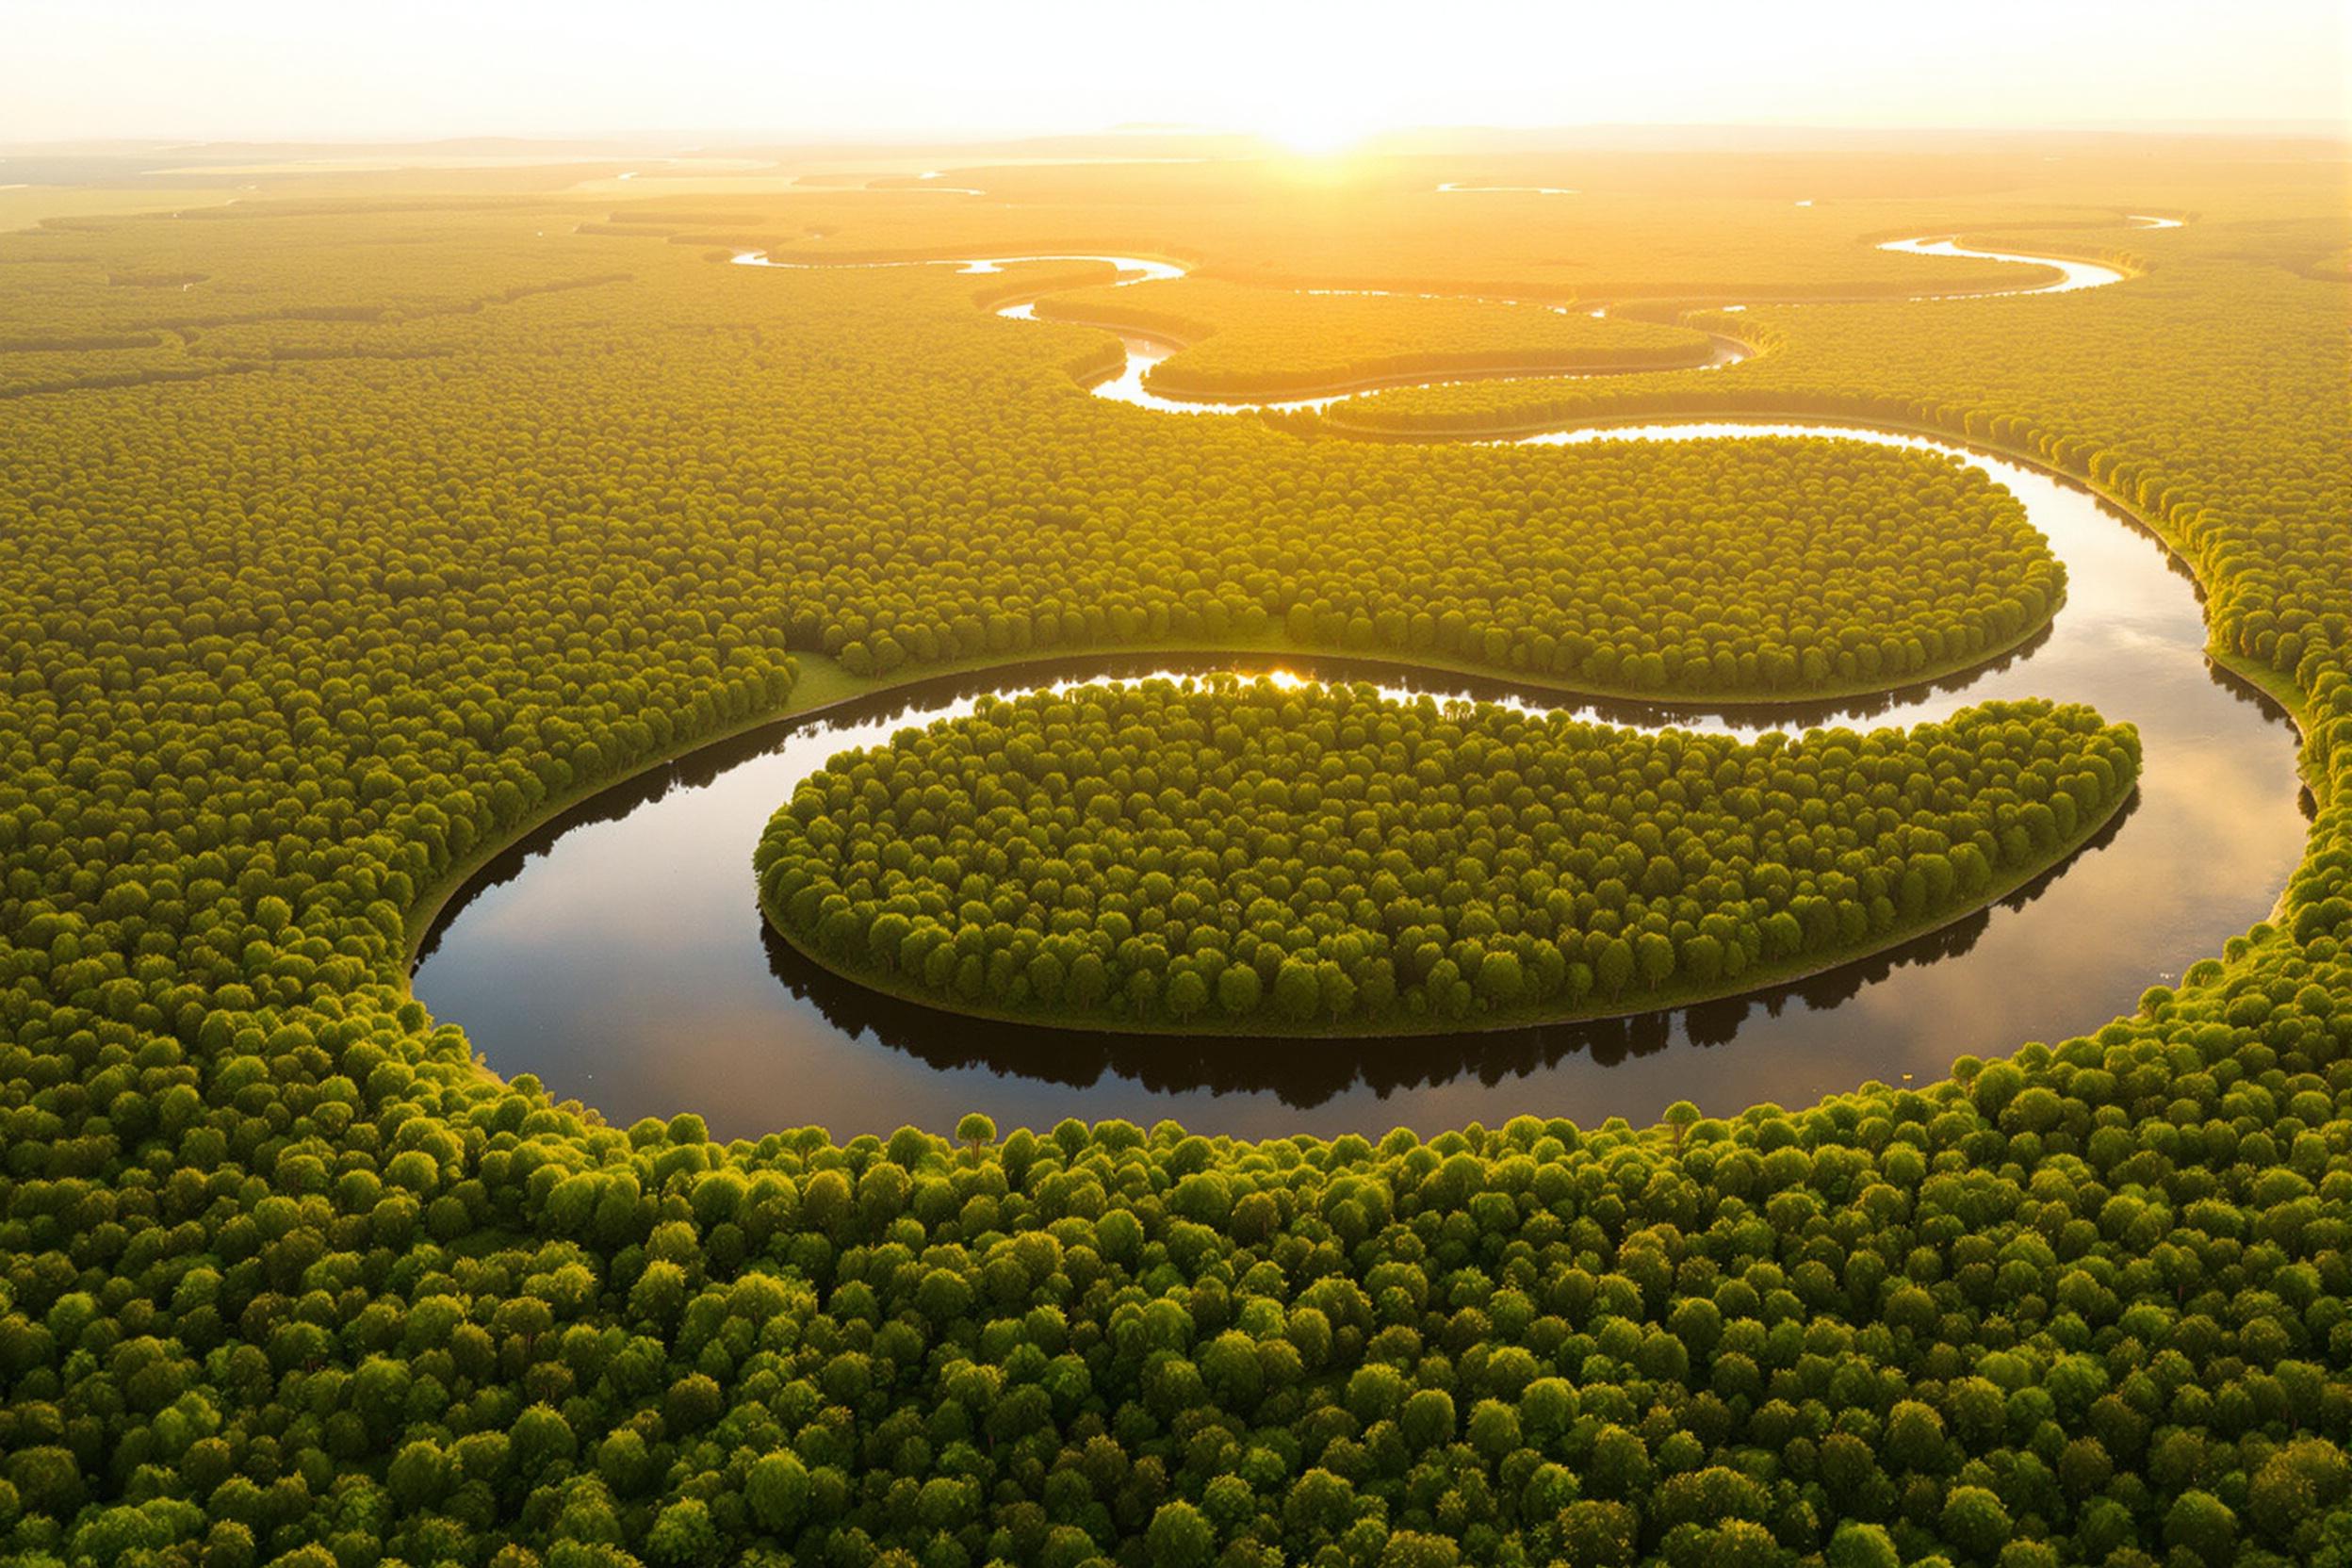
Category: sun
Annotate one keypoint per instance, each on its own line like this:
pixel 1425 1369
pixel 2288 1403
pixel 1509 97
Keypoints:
pixel 1315 130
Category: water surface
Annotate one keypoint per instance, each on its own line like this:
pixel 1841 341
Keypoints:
pixel 621 954
pixel 2072 275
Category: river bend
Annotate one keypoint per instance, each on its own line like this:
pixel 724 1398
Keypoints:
pixel 619 951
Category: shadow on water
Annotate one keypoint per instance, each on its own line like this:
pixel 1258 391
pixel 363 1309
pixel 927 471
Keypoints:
pixel 910 699
pixel 1307 1072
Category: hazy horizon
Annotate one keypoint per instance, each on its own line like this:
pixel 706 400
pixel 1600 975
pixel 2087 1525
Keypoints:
pixel 1312 78
pixel 1566 134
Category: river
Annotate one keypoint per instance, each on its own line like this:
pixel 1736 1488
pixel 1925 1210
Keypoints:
pixel 619 951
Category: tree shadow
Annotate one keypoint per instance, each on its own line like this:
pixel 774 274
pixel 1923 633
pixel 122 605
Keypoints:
pixel 1306 1071
pixel 706 763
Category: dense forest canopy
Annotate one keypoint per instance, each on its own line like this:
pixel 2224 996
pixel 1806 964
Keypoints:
pixel 342 538
pixel 690 411
pixel 1297 861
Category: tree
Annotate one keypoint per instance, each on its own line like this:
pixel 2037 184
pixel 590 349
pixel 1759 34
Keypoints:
pixel 1501 982
pixel 1419 1549
pixel 417 1476
pixel 2298 1484
pixel 1237 990
pixel 2204 1525
pixel 1620 1466
pixel 1426 1420
pixel 1862 1545
pixel 1298 993
pixel 683 1533
pixel 976 1132
pixel 1614 967
pixel 1180 1536
pixel 1975 1518
pixel 1915 1437
pixel 1320 1506
pixel 1599 1534
pixel 1187 993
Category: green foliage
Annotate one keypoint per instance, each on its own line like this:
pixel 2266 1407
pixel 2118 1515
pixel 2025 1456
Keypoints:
pixel 286 1277
pixel 1865 569
pixel 2090 1300
pixel 1326 858
pixel 1180 1536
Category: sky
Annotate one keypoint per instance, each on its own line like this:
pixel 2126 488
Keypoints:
pixel 1311 74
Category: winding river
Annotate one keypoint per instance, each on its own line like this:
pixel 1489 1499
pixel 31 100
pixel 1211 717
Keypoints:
pixel 1453 188
pixel 2072 274
pixel 619 953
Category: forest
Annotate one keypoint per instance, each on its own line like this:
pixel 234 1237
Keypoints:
pixel 1868 569
pixel 1247 342
pixel 344 537
pixel 1324 857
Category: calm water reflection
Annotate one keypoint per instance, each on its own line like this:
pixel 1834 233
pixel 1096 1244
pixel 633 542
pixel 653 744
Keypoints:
pixel 620 954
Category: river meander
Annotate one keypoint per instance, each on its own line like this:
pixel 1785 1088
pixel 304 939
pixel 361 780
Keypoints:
pixel 619 951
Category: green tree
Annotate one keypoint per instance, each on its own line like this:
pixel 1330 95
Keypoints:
pixel 1862 1545
pixel 1974 1519
pixel 1237 990
pixel 1180 1536
pixel 976 1132
pixel 2202 1523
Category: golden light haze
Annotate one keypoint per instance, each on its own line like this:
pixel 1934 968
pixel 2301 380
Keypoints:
pixel 1317 76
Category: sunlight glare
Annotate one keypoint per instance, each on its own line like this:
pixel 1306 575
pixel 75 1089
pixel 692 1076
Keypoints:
pixel 1318 129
